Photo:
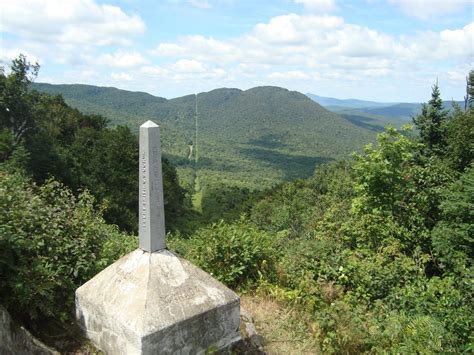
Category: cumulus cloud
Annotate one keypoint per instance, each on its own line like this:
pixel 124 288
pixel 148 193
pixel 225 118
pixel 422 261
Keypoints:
pixel 7 55
pixel 168 49
pixel 446 44
pixel 295 29
pixel 457 74
pixel 290 75
pixel 426 9
pixel 121 59
pixel 218 73
pixel 319 48
pixel 121 76
pixel 182 72
pixel 72 22
pixel 153 70
pixel 319 6
pixel 188 66
pixel 317 41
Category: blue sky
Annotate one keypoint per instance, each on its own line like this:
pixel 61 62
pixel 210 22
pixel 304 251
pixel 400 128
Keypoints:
pixel 384 50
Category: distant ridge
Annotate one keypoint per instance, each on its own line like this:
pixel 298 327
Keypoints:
pixel 254 137
pixel 398 111
pixel 346 103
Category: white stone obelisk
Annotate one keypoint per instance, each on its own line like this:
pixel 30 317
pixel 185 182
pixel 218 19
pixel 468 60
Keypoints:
pixel 151 228
pixel 152 301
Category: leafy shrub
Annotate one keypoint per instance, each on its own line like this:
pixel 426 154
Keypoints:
pixel 401 333
pixel 235 254
pixel 441 298
pixel 50 243
pixel 342 328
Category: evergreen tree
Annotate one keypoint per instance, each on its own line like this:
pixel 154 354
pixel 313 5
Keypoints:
pixel 460 138
pixel 431 123
pixel 469 98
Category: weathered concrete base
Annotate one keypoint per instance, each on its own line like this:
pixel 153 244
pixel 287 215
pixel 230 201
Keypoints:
pixel 157 303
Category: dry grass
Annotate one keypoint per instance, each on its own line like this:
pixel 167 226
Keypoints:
pixel 283 330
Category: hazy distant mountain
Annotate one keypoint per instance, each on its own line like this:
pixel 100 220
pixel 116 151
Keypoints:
pixel 255 137
pixel 401 110
pixel 346 103
pixel 389 112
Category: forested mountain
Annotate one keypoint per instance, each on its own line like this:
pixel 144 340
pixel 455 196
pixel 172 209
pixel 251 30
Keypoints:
pixel 250 138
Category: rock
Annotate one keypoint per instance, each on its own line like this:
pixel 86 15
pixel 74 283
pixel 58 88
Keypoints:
pixel 249 332
pixel 17 340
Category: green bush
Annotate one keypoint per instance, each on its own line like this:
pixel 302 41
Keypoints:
pixel 50 243
pixel 444 299
pixel 235 254
pixel 401 333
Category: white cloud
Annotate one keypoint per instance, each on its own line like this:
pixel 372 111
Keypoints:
pixel 121 59
pixel 218 73
pixel 290 40
pixel 323 41
pixel 447 44
pixel 319 6
pixel 295 29
pixel 425 9
pixel 188 66
pixel 184 70
pixel 8 54
pixel 121 76
pixel 457 74
pixel 168 49
pixel 87 74
pixel 153 70
pixel 457 42
pixel 307 49
pixel 71 22
pixel 290 75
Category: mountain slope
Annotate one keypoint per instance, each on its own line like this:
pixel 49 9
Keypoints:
pixel 118 105
pixel 251 138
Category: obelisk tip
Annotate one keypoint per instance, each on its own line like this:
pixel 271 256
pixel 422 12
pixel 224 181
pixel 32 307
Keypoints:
pixel 149 124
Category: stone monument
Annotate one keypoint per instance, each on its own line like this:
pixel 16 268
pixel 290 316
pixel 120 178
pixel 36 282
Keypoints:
pixel 152 301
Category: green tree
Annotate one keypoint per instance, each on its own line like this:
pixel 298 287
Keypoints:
pixel 16 102
pixel 469 98
pixel 460 138
pixel 453 236
pixel 431 123
pixel 397 194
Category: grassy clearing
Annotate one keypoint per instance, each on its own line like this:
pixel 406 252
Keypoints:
pixel 197 201
pixel 284 330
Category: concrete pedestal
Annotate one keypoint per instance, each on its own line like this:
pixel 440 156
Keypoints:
pixel 157 303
